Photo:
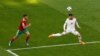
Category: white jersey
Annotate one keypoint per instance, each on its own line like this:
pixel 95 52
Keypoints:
pixel 70 24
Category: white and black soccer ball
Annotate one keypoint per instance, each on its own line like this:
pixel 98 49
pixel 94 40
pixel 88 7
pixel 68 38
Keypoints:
pixel 69 8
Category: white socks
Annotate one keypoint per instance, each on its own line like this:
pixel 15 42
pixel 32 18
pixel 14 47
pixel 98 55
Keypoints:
pixel 57 35
pixel 80 39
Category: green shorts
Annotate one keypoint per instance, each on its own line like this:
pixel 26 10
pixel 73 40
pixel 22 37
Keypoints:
pixel 21 32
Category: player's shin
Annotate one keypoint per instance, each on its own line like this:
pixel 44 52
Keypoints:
pixel 80 40
pixel 57 35
pixel 12 40
pixel 27 39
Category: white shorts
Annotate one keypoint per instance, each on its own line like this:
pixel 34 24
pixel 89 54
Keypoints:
pixel 71 31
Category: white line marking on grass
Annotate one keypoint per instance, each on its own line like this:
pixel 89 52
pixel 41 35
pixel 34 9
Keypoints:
pixel 14 54
pixel 93 42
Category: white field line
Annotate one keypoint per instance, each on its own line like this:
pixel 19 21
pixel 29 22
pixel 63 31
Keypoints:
pixel 93 42
pixel 14 54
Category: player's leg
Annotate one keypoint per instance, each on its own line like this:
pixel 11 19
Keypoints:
pixel 79 37
pixel 27 36
pixel 58 34
pixel 55 35
pixel 14 38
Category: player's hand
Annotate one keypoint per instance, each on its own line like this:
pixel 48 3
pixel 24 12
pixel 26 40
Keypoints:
pixel 29 24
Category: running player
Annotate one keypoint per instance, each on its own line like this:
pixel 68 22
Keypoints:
pixel 22 29
pixel 69 27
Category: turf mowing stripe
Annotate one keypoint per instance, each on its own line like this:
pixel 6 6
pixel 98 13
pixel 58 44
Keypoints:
pixel 93 42
pixel 14 54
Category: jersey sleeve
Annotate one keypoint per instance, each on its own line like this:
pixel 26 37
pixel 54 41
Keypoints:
pixel 64 26
pixel 77 23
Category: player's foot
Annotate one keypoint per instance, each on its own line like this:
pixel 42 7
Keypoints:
pixel 50 36
pixel 9 44
pixel 27 44
pixel 82 43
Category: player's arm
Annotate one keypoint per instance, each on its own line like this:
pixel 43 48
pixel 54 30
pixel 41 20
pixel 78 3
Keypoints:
pixel 64 26
pixel 28 25
pixel 77 24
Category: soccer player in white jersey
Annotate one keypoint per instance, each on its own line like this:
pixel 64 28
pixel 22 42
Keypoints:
pixel 69 27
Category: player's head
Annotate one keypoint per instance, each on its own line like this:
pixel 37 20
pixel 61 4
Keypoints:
pixel 25 15
pixel 70 16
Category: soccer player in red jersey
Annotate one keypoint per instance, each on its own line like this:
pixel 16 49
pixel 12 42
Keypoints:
pixel 22 29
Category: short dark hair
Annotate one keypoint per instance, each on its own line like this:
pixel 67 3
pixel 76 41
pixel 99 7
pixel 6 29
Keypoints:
pixel 24 15
pixel 70 14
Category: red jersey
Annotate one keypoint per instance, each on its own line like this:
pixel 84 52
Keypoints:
pixel 24 20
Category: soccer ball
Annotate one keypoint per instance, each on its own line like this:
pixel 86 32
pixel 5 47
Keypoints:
pixel 69 8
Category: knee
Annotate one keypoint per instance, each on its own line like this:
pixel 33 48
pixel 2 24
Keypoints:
pixel 62 34
pixel 28 35
pixel 78 35
pixel 14 38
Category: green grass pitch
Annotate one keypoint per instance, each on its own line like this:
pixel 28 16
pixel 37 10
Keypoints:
pixel 48 16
